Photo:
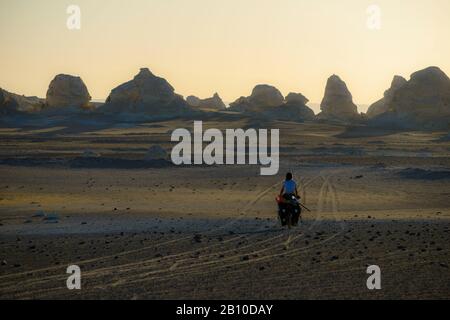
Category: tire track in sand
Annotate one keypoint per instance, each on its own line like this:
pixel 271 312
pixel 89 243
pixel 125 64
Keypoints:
pixel 174 266
pixel 132 265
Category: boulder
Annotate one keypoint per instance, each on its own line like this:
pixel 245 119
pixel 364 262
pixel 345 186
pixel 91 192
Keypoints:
pixel 215 102
pixel 382 105
pixel 146 93
pixel 88 153
pixel 67 91
pixel 337 103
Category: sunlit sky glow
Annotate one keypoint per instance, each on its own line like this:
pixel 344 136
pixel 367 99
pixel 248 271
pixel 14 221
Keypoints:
pixel 204 46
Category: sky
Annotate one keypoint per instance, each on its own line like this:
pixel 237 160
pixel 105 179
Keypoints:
pixel 224 46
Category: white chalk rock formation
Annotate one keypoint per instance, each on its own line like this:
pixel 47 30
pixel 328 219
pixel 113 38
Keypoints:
pixel 146 93
pixel 382 105
pixel 67 91
pixel 215 102
pixel 337 103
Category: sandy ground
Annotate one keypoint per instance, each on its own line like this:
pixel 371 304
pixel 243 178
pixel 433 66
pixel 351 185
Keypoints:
pixel 212 232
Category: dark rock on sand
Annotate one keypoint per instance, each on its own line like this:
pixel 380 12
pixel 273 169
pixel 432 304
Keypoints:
pixel 156 152
pixel 88 153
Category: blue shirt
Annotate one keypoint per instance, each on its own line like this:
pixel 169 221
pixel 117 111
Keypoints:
pixel 289 186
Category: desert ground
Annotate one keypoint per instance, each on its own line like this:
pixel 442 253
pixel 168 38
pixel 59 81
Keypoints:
pixel 144 231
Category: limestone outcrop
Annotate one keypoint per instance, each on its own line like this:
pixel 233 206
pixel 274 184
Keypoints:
pixel 215 102
pixel 67 91
pixel 268 102
pixel 337 103
pixel 382 105
pixel 146 93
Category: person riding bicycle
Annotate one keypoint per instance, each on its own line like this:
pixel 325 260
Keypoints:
pixel 289 187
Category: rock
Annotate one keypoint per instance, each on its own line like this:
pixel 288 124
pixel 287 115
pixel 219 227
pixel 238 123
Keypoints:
pixel 267 102
pixel 11 103
pixel 197 238
pixel 295 108
pixel 333 258
pixel 242 104
pixel 67 91
pixel 40 214
pixel 156 153
pixel 90 154
pixel 296 98
pixel 51 217
pixel 215 102
pixel 193 101
pixel 7 106
pixel 424 101
pixel 146 93
pixel 337 103
pixel 263 95
pixel 4 262
pixel 382 105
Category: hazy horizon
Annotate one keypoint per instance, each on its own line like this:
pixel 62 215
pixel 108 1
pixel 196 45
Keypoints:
pixel 205 46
